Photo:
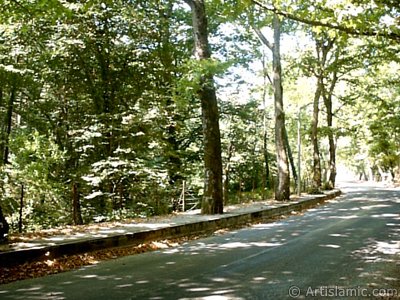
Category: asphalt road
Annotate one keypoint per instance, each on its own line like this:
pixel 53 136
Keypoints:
pixel 348 247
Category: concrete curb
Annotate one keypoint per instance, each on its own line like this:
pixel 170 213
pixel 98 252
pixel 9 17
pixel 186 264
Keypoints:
pixel 13 258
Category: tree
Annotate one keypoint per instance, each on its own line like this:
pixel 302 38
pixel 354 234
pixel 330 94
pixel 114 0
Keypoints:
pixel 266 79
pixel 327 96
pixel 104 113
pixel 377 115
pixel 282 191
pixel 243 146
pixel 101 83
pixel 16 77
pixel 323 47
pixel 344 16
pixel 213 195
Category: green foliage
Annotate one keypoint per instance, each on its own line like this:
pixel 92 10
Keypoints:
pixel 194 72
pixel 36 164
pixel 375 127
pixel 106 98
pixel 242 141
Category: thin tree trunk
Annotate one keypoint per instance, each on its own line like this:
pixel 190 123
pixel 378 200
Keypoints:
pixel 227 174
pixel 2 129
pixel 290 157
pixel 10 108
pixel 21 207
pixel 255 174
pixel 267 180
pixel 4 227
pixel 316 184
pixel 282 192
pixel 323 47
pixel 76 205
pixel 213 195
pixel 1 119
pixel 332 145
pixel 266 161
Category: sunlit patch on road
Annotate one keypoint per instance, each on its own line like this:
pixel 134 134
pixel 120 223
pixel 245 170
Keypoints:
pixel 330 246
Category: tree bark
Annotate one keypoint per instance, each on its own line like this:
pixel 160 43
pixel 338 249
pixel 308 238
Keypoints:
pixel 21 208
pixel 8 125
pixel 316 183
pixel 76 205
pixel 213 196
pixel 327 96
pixel 227 174
pixel 266 161
pixel 267 180
pixel 290 157
pixel 282 191
pixel 4 151
pixel 323 46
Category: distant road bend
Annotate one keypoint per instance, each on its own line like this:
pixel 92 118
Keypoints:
pixel 349 245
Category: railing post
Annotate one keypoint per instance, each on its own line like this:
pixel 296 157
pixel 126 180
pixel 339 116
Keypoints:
pixel 184 195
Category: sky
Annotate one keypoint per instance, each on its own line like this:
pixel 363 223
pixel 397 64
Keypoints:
pixel 251 77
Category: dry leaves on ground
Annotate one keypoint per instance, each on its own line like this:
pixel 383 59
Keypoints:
pixel 53 266
pixel 62 264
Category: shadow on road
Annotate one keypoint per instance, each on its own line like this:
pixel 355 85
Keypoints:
pixel 351 242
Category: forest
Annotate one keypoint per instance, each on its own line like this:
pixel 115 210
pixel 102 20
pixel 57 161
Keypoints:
pixel 118 109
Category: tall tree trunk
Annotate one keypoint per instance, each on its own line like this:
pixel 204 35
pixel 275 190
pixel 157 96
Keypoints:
pixel 4 138
pixel 267 180
pixel 8 125
pixel 323 46
pixel 282 191
pixel 4 227
pixel 2 128
pixel 266 161
pixel 329 118
pixel 76 205
pixel 290 157
pixel 21 209
pixel 213 196
pixel 227 174
pixel 316 183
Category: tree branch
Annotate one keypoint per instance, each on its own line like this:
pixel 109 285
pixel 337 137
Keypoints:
pixel 262 37
pixel 23 7
pixel 392 35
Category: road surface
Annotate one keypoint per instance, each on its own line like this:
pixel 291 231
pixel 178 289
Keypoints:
pixel 348 247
